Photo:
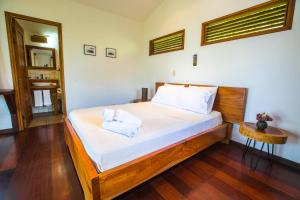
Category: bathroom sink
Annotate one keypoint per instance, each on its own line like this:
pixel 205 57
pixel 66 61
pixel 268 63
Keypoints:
pixel 43 84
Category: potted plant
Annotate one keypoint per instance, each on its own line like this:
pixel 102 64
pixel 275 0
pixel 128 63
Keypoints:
pixel 262 119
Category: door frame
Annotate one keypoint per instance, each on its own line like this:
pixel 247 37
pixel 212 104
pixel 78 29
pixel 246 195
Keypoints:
pixel 9 17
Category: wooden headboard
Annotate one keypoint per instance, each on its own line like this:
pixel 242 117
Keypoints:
pixel 230 101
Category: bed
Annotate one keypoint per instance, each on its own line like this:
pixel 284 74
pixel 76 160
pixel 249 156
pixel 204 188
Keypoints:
pixel 111 166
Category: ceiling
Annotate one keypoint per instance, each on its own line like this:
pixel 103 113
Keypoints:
pixel 135 9
pixel 38 28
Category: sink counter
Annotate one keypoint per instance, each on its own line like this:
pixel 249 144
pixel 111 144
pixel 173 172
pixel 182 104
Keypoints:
pixel 43 87
pixel 46 84
pixel 43 84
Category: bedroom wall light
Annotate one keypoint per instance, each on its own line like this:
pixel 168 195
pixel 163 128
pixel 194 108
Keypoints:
pixel 195 58
pixel 38 38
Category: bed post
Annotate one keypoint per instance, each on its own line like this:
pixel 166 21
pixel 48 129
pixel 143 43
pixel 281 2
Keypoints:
pixel 228 133
pixel 96 188
pixel 85 169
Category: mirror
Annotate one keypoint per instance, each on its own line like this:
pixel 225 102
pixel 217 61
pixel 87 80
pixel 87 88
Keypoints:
pixel 40 57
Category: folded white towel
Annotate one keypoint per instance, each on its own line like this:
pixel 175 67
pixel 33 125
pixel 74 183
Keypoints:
pixel 47 98
pixel 126 117
pixel 108 115
pixel 38 98
pixel 127 129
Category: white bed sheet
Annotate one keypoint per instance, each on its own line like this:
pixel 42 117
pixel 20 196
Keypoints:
pixel 162 126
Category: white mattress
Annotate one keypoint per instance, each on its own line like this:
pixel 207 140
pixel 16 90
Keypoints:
pixel 162 126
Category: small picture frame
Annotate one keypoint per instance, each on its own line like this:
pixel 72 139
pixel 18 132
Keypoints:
pixel 111 52
pixel 89 50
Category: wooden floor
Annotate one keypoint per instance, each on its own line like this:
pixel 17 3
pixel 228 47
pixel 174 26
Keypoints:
pixel 36 164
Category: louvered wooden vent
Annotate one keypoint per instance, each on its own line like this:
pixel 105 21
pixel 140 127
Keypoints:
pixel 167 43
pixel 269 17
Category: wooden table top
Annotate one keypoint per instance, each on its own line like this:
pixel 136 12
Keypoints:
pixel 270 135
pixel 6 91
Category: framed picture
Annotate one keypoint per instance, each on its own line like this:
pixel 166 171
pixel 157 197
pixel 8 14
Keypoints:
pixel 89 50
pixel 111 52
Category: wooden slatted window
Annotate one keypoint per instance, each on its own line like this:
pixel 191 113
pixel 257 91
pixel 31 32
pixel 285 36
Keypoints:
pixel 167 43
pixel 269 17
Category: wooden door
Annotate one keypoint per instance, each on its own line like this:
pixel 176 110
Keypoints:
pixel 22 75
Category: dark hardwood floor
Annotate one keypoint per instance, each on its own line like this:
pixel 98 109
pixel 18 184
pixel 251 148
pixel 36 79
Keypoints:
pixel 36 164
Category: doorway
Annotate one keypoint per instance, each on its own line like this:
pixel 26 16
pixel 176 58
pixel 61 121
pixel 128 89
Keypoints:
pixel 36 55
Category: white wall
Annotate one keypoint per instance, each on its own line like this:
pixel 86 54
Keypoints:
pixel 268 65
pixel 89 80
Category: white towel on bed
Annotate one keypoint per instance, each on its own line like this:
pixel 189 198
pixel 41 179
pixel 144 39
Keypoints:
pixel 128 118
pixel 129 130
pixel 108 115
pixel 121 122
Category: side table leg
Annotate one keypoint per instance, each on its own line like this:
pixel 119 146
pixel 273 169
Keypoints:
pixel 252 152
pixel 272 155
pixel 247 147
pixel 258 157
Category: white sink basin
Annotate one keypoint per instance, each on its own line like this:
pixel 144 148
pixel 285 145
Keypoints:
pixel 43 84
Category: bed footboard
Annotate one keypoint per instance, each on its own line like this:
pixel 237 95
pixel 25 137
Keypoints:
pixel 116 181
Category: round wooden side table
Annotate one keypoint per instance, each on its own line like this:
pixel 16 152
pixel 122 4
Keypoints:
pixel 271 136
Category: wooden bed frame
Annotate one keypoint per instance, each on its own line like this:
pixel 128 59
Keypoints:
pixel 111 183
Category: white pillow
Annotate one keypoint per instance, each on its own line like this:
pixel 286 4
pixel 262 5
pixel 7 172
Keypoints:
pixel 213 91
pixel 167 95
pixel 194 99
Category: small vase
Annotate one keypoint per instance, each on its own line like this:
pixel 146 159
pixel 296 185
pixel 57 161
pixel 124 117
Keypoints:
pixel 261 125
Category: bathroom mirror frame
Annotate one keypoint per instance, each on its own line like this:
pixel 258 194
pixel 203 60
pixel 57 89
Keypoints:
pixel 29 48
